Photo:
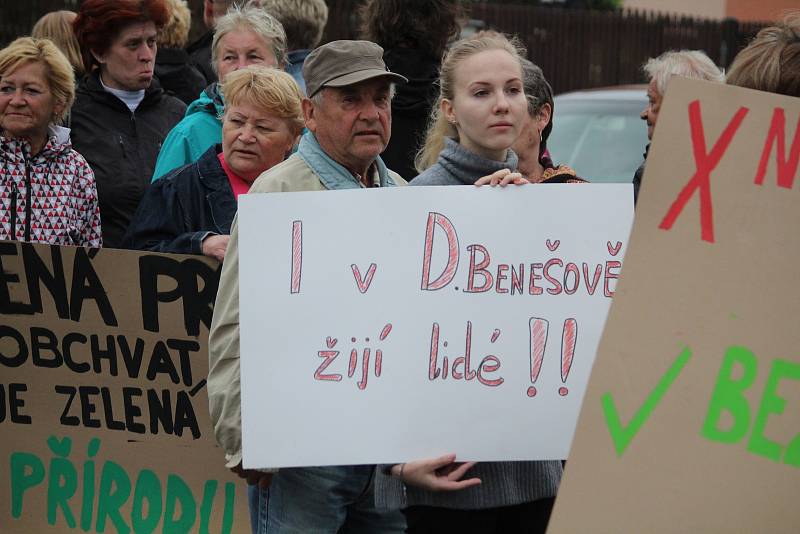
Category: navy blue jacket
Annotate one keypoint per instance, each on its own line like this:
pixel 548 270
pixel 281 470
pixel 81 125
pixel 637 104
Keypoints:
pixel 179 210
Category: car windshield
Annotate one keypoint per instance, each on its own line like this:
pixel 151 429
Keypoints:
pixel 603 140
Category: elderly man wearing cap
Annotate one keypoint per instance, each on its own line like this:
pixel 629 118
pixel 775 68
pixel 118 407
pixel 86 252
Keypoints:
pixel 348 115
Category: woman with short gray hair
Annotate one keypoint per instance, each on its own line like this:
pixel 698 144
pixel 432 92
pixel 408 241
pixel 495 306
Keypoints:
pixel 244 36
pixel 531 145
pixel 659 70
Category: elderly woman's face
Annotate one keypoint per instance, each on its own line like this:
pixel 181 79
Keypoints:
pixel 253 140
pixel 27 104
pixel 240 48
pixel 530 136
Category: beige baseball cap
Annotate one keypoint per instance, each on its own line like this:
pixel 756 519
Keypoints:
pixel 343 63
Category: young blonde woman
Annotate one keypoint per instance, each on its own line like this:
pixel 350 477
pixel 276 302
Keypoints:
pixel 480 113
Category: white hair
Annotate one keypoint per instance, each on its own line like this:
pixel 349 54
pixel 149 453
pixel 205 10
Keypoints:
pixel 252 18
pixel 686 63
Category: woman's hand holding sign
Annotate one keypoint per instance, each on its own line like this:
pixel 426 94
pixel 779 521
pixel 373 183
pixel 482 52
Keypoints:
pixel 436 474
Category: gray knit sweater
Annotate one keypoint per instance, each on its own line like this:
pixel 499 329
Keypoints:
pixel 458 166
pixel 502 483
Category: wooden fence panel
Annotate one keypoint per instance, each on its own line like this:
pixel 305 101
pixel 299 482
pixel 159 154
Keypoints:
pixel 576 48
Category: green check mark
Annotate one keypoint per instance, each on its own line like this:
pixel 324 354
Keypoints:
pixel 622 436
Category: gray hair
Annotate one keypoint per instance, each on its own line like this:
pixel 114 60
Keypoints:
pixel 538 93
pixel 256 20
pixel 685 63
pixel 303 20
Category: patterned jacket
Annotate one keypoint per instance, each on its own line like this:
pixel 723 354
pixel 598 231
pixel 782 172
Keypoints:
pixel 50 197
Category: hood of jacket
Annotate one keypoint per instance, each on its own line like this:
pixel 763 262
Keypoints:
pixel 18 150
pixel 422 71
pixel 210 102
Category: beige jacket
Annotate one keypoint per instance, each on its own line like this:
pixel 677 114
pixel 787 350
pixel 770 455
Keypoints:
pixel 224 388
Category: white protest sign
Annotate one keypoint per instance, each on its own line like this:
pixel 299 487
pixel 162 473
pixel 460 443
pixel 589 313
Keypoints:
pixel 393 324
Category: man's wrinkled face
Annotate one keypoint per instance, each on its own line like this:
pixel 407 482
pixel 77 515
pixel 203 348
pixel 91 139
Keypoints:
pixel 353 123
pixel 650 113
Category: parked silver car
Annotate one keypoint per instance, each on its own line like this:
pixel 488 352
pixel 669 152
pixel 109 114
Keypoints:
pixel 598 132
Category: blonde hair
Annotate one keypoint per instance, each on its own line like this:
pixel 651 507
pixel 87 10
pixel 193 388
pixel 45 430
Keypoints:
pixel 684 63
pixel 254 19
pixel 57 26
pixel 303 20
pixel 176 32
pixel 771 62
pixel 60 77
pixel 269 89
pixel 439 127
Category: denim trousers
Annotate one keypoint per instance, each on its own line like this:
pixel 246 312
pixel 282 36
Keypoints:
pixel 322 500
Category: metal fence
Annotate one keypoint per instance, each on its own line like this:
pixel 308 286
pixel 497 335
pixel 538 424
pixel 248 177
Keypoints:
pixel 575 48
pixel 581 48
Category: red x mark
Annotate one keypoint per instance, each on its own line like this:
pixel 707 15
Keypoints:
pixel 705 163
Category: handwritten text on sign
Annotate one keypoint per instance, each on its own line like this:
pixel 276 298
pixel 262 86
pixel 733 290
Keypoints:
pixel 392 324
pixel 109 347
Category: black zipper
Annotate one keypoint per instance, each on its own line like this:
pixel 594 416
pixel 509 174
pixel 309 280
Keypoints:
pixel 27 201
pixel 14 193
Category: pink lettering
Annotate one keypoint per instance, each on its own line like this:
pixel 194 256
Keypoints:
pixel 576 278
pixel 608 291
pixel 533 289
pixel 297 255
pixel 480 269
pixel 489 364
pixel 598 272
pixel 437 219
pixel 363 283
pixel 556 289
pixel 329 356
pixel 501 275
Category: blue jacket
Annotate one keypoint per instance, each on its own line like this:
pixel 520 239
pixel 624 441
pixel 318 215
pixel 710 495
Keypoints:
pixel 199 129
pixel 294 66
pixel 181 209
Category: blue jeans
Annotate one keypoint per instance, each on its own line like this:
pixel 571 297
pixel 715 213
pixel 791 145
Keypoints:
pixel 322 500
pixel 257 500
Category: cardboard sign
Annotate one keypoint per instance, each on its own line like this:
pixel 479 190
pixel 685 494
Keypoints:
pixel 104 422
pixel 691 419
pixel 387 325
